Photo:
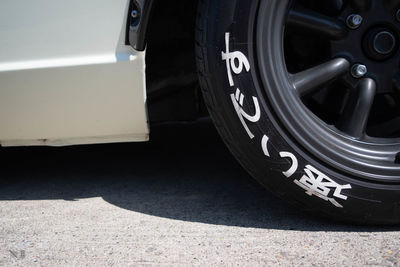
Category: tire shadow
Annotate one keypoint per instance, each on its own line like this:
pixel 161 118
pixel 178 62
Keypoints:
pixel 184 173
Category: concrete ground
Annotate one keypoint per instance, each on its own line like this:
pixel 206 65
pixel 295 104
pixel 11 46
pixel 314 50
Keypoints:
pixel 179 200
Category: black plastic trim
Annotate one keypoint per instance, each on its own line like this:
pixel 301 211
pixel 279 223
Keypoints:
pixel 137 27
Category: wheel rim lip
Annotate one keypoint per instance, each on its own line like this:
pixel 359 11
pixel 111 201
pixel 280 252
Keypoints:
pixel 363 159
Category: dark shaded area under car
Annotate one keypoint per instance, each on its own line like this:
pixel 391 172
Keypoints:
pixel 185 173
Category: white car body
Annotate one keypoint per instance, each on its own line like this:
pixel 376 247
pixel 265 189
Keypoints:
pixel 66 75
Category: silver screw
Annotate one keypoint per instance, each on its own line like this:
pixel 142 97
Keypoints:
pixel 354 21
pixel 134 14
pixel 359 71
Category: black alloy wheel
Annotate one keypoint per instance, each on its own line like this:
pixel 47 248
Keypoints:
pixel 343 82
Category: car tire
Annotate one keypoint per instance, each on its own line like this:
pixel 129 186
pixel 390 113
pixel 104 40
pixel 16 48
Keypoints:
pixel 248 88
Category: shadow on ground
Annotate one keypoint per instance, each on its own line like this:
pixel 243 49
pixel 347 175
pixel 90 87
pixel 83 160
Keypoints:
pixel 184 173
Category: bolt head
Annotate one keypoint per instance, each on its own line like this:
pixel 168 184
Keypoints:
pixel 359 71
pixel 354 21
pixel 134 14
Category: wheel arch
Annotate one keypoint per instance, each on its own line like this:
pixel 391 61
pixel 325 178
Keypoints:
pixel 168 34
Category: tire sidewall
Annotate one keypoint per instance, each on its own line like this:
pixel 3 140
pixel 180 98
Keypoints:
pixel 365 201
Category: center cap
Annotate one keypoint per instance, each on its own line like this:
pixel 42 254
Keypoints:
pixel 380 43
pixel 384 42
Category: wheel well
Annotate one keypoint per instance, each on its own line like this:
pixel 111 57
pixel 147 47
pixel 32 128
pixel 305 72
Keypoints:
pixel 172 84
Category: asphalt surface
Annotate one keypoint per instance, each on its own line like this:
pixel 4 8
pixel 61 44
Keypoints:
pixel 180 199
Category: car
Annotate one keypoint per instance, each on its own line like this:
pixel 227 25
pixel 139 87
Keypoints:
pixel 305 93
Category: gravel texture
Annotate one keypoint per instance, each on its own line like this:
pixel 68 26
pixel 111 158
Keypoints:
pixel 179 200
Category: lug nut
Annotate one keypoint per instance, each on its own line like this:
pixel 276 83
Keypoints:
pixel 354 21
pixel 359 71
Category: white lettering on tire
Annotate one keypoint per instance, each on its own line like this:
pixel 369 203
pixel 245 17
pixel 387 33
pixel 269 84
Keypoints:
pixel 232 58
pixel 314 182
pixel 237 100
pixel 318 184
pixel 264 145
pixel 293 167
pixel 236 61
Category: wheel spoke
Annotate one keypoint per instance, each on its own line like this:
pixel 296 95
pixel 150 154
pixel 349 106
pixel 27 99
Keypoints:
pixel 317 23
pixel 355 117
pixel 361 4
pixel 309 80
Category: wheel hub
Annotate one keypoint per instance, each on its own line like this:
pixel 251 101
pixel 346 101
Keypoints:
pixel 380 43
pixel 373 43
